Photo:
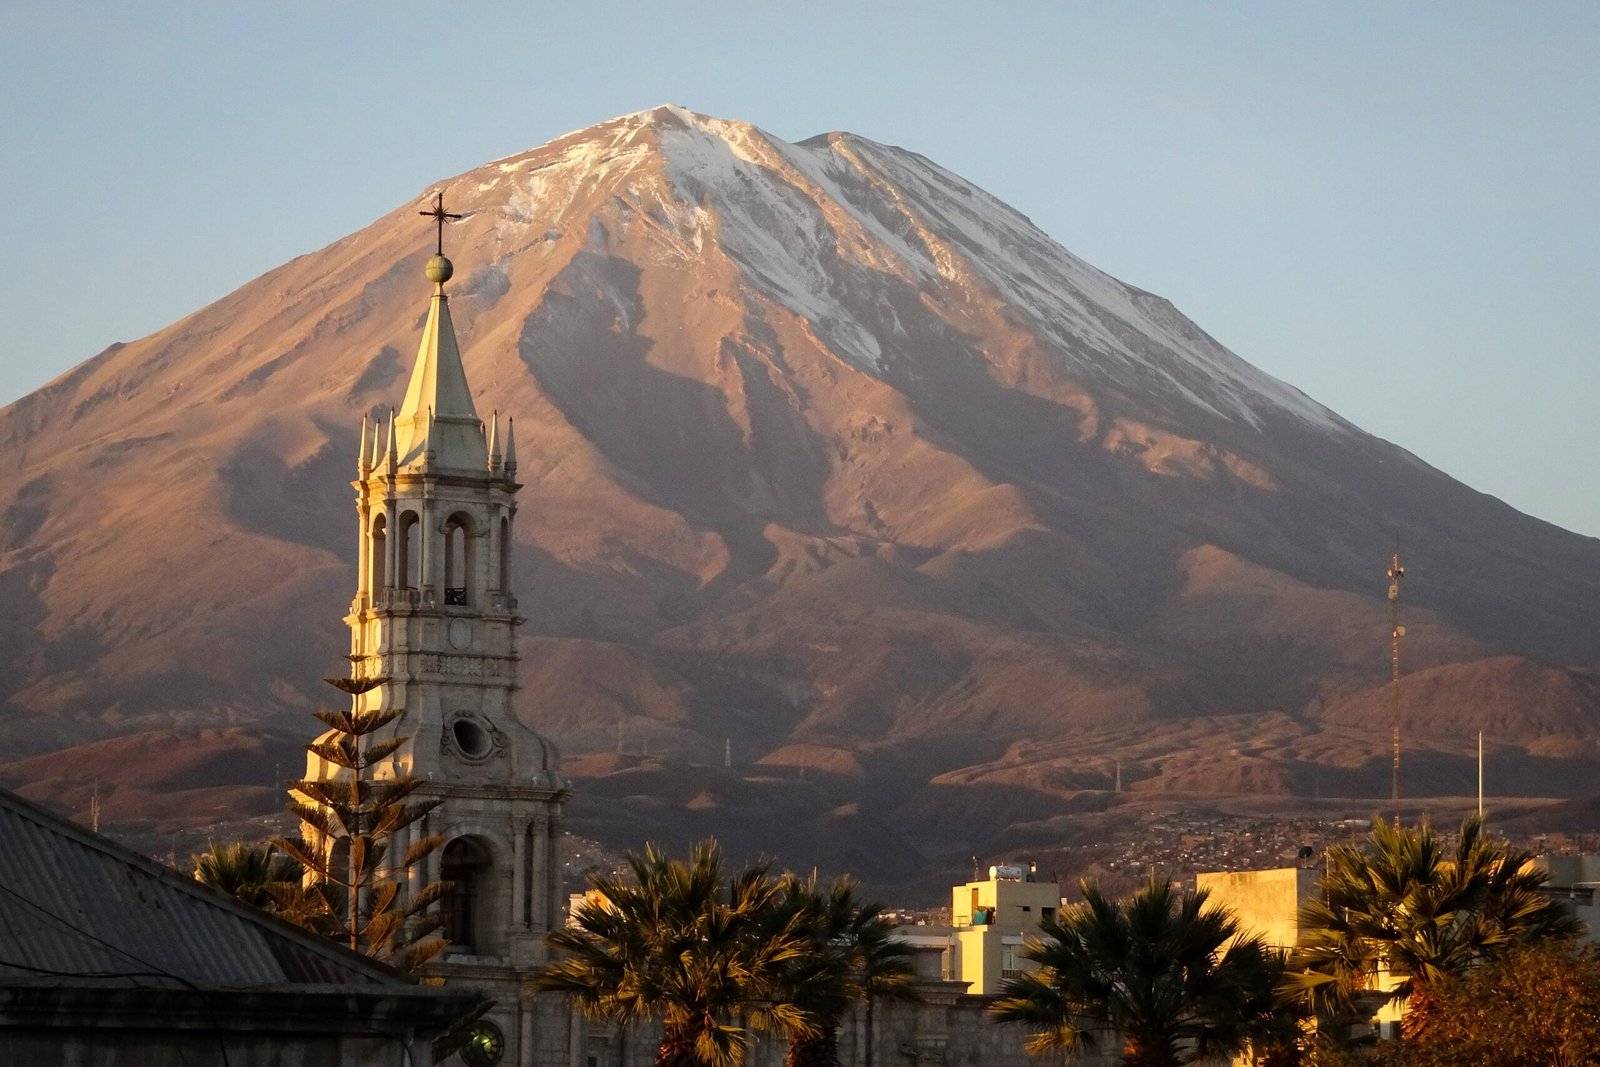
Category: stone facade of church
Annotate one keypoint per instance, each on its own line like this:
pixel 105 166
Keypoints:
pixel 434 615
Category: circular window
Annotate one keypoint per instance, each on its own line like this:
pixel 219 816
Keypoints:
pixel 485 1045
pixel 473 740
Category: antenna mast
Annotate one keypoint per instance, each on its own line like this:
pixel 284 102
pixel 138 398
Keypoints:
pixel 1396 632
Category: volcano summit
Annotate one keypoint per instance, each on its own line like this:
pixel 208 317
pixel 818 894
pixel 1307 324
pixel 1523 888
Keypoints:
pixel 839 472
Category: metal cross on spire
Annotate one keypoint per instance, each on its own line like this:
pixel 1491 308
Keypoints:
pixel 440 216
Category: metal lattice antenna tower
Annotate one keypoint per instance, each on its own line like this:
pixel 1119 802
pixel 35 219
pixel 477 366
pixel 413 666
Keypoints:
pixel 1396 632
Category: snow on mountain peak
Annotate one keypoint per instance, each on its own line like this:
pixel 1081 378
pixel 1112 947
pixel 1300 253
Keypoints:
pixel 810 224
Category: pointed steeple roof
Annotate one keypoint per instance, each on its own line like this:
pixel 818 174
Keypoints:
pixel 378 440
pixel 391 457
pixel 438 393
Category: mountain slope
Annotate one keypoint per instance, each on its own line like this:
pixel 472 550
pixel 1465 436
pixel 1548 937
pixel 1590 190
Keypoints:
pixel 824 446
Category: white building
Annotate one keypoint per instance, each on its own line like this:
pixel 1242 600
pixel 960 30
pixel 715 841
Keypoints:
pixel 1573 881
pixel 434 615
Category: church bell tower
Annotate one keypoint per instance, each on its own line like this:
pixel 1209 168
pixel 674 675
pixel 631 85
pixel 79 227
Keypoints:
pixel 434 615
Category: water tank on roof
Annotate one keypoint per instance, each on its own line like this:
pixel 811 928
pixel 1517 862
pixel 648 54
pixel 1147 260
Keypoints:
pixel 1005 873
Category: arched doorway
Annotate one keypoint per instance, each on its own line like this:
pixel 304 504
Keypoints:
pixel 464 867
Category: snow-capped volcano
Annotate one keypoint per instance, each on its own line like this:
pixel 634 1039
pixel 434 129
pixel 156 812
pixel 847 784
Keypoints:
pixel 809 223
pixel 830 457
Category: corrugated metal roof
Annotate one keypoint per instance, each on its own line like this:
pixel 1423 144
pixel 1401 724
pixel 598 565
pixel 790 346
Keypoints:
pixel 75 904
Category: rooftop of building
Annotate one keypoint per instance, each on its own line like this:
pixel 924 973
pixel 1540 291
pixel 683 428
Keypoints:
pixel 78 907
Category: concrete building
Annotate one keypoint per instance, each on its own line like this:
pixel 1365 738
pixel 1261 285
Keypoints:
pixel 434 615
pixel 991 920
pixel 108 957
pixel 1266 902
pixel 1573 881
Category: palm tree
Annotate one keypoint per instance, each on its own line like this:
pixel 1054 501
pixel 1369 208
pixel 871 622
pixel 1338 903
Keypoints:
pixel 1408 908
pixel 852 956
pixel 675 941
pixel 252 874
pixel 1162 972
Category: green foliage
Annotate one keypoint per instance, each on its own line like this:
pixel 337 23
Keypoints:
pixel 1409 906
pixel 1535 1006
pixel 254 874
pixel 714 956
pixel 851 956
pixel 1150 971
pixel 348 843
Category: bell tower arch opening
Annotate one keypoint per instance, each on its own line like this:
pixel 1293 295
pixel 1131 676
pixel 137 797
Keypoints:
pixel 504 556
pixel 460 566
pixel 408 552
pixel 376 556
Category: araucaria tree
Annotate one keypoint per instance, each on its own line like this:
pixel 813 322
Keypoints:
pixel 357 869
pixel 677 942
pixel 1396 918
pixel 1161 972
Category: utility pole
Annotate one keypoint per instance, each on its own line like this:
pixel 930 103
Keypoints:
pixel 1396 631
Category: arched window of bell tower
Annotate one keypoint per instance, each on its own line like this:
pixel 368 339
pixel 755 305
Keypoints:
pixel 505 554
pixel 375 555
pixel 464 868
pixel 458 559
pixel 407 552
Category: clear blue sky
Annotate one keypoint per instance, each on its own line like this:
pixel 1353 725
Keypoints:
pixel 1392 206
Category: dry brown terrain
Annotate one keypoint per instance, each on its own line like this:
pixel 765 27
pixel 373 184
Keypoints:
pixel 832 461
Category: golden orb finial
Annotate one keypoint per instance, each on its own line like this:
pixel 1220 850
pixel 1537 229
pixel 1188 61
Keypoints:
pixel 439 268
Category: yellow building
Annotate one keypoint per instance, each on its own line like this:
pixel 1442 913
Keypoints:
pixel 1265 902
pixel 991 920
